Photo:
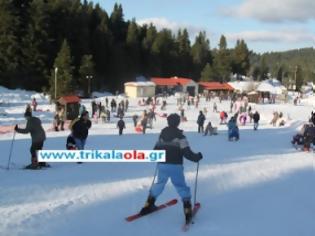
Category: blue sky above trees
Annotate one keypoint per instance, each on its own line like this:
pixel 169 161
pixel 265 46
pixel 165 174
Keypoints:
pixel 266 25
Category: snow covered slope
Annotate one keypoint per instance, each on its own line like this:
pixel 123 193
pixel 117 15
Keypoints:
pixel 258 186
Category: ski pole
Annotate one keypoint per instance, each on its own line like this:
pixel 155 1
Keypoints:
pixel 196 183
pixel 155 173
pixel 10 153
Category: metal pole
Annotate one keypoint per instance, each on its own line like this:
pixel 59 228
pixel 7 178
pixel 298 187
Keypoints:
pixel 89 78
pixel 56 71
pixel 155 172
pixel 11 147
pixel 196 182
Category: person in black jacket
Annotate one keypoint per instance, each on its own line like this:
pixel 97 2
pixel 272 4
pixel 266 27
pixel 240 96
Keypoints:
pixel 176 147
pixel 34 127
pixel 200 121
pixel 256 118
pixel 121 125
pixel 80 130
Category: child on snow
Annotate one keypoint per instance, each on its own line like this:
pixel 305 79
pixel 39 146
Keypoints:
pixel 176 146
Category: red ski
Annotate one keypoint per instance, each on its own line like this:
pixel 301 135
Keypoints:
pixel 159 207
pixel 186 226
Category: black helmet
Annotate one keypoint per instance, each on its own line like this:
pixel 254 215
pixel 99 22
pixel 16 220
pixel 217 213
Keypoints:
pixel 28 114
pixel 173 120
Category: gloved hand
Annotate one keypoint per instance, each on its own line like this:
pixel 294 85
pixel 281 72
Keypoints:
pixel 16 127
pixel 199 156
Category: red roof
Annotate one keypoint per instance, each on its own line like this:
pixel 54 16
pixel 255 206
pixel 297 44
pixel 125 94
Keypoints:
pixel 215 86
pixel 173 81
pixel 68 99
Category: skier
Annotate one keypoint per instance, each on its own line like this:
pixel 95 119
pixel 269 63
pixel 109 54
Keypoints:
pixel 256 118
pixel 200 121
pixel 135 119
pixel 215 107
pixel 62 117
pixel 94 108
pixel 144 121
pixel 176 146
pixel 34 104
pixel 121 125
pixel 151 117
pixel 34 127
pixel 80 130
pixel 233 131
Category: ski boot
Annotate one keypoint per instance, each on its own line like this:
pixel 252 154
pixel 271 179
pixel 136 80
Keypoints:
pixel 149 206
pixel 32 167
pixel 43 164
pixel 187 211
pixel 34 164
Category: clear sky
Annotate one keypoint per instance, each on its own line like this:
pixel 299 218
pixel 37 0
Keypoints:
pixel 266 25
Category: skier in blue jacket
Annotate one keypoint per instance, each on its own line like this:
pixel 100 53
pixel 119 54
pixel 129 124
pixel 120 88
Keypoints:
pixel 176 147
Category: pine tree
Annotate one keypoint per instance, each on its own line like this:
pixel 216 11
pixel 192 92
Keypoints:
pixel 241 64
pixel 9 46
pixel 280 73
pixel 117 24
pixel 184 49
pixel 298 78
pixel 208 74
pixel 164 51
pixel 35 51
pixel 264 69
pixel 148 57
pixel 222 61
pixel 101 44
pixel 201 54
pixel 63 77
pixel 133 47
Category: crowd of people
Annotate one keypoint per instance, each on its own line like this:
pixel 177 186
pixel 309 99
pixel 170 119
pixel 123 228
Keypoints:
pixel 112 110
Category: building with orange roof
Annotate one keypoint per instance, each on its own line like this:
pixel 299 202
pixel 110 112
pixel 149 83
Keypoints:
pixel 175 84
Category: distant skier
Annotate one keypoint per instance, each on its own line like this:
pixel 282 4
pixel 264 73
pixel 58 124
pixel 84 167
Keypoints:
pixel 121 125
pixel 34 127
pixel 200 121
pixel 176 146
pixel 215 107
pixel 233 131
pixel 144 122
pixel 256 118
pixel 135 119
pixel 34 104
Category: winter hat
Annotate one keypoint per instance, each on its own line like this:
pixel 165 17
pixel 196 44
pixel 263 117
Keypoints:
pixel 173 120
pixel 28 114
pixel 84 113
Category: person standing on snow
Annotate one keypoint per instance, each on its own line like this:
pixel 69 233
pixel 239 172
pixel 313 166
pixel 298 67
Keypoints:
pixel 80 130
pixel 176 147
pixel 200 121
pixel 256 118
pixel 121 125
pixel 233 130
pixel 34 104
pixel 34 127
